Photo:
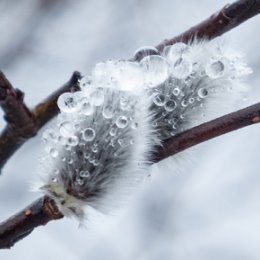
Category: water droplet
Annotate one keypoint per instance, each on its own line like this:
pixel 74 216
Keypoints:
pixel 172 133
pixel 145 51
pixel 54 153
pixel 66 128
pixel 56 171
pixel 215 69
pixel 88 134
pixel 85 82
pixel 73 140
pixel 155 69
pixel 84 174
pixel 79 181
pixel 159 100
pixel 182 67
pixel 170 105
pixel 54 179
pixel 108 112
pixel 176 91
pixel 184 103
pixel 95 162
pixel 94 148
pixel 191 100
pixel 132 141
pixel 202 92
pixel 49 135
pixel 97 97
pixel 86 107
pixel 70 161
pixel 67 102
pixel 176 50
pixel 113 131
pixel 121 122
pixel 134 125
pixel 154 124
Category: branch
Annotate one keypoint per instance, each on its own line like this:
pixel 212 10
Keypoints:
pixel 44 210
pixel 219 23
pixel 23 223
pixel 23 123
pixel 207 131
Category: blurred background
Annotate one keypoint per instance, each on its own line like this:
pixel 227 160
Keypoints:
pixel 205 204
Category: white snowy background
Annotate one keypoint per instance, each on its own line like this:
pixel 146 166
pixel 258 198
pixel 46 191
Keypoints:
pixel 206 206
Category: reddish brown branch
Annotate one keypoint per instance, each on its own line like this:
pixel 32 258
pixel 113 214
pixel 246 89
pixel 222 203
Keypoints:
pixel 22 224
pixel 209 130
pixel 219 23
pixel 23 123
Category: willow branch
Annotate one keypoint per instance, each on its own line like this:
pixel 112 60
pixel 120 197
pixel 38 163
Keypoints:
pixel 219 23
pixel 207 131
pixel 23 223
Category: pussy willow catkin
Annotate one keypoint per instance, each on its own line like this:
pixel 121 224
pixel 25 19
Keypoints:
pixel 100 145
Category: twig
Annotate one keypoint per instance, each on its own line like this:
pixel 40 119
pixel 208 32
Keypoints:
pixel 21 224
pixel 219 23
pixel 209 130
pixel 23 123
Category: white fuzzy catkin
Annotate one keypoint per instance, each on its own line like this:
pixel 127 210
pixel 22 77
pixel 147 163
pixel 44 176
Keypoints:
pixel 99 147
pixel 104 134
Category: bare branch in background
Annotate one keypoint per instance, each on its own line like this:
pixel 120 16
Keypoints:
pixel 21 122
pixel 44 210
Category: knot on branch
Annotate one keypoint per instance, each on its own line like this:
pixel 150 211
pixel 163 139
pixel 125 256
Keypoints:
pixel 50 208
